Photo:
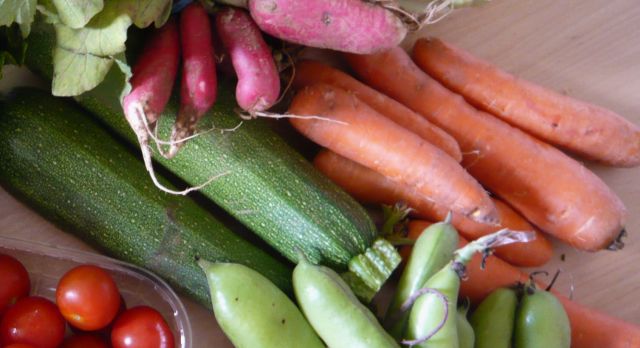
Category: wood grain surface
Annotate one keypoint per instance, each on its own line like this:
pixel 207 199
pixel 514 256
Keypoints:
pixel 589 49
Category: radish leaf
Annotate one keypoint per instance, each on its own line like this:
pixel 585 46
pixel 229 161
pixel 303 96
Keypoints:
pixel 77 13
pixel 18 11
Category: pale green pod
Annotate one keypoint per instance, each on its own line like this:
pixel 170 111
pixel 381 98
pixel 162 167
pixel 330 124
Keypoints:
pixel 541 321
pixel 334 311
pixel 253 312
pixel 493 320
pixel 466 336
pixel 432 250
pixel 429 311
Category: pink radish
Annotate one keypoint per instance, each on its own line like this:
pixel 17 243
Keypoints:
pixel 198 87
pixel 354 26
pixel 153 77
pixel 258 80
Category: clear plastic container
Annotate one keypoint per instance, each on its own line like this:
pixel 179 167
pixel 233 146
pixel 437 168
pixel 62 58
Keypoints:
pixel 47 264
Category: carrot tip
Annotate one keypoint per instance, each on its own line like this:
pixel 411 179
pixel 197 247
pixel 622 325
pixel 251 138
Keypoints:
pixel 617 243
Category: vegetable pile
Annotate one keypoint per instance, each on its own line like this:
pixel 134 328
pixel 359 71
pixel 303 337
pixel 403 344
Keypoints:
pixel 87 298
pixel 468 159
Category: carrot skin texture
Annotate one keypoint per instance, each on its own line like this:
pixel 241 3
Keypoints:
pixel 342 25
pixel 258 79
pixel 372 140
pixel 585 129
pixel 310 72
pixel 198 88
pixel 154 74
pixel 553 191
pixel 589 328
pixel 367 186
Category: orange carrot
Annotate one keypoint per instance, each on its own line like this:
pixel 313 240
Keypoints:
pixel 358 132
pixel 367 186
pixel 550 189
pixel 586 129
pixel 311 72
pixel 589 328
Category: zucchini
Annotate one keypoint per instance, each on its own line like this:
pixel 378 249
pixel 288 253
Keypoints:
pixel 71 170
pixel 270 188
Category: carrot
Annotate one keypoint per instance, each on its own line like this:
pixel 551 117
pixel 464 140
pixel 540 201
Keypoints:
pixel 360 133
pixel 198 87
pixel 310 72
pixel 343 25
pixel 367 186
pixel 550 189
pixel 586 129
pixel 258 79
pixel 589 328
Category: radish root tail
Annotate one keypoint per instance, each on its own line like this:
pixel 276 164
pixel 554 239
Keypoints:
pixel 138 122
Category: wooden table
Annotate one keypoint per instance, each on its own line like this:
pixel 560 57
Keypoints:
pixel 589 49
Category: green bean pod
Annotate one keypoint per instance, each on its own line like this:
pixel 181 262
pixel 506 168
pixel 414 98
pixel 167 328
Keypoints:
pixel 541 321
pixel 433 324
pixel 432 250
pixel 429 311
pixel 334 311
pixel 493 320
pixel 253 312
pixel 466 336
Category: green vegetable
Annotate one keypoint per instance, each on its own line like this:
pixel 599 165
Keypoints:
pixel 541 321
pixel 431 314
pixel 466 336
pixel 253 312
pixel 334 311
pixel 265 184
pixel 493 320
pixel 431 323
pixel 433 250
pixel 68 168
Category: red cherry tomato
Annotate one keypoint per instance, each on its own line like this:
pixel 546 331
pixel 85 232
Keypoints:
pixel 15 281
pixel 141 327
pixel 85 341
pixel 33 320
pixel 88 297
pixel 20 345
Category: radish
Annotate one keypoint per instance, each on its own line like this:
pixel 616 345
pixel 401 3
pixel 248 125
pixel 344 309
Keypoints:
pixel 258 80
pixel 198 87
pixel 153 77
pixel 352 26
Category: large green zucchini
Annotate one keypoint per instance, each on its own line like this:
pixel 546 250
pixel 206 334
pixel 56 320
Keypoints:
pixel 71 170
pixel 269 187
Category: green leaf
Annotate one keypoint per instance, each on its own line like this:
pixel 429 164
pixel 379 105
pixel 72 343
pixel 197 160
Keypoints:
pixel 12 47
pixel 77 13
pixel 145 12
pixel 18 11
pixel 75 73
pixel 83 57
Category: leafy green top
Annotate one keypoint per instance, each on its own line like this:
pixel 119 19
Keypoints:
pixel 90 35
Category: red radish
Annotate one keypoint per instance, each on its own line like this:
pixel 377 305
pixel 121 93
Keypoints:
pixel 258 80
pixel 354 26
pixel 198 87
pixel 153 77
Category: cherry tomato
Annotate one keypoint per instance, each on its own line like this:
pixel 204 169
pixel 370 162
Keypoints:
pixel 20 345
pixel 33 320
pixel 88 297
pixel 85 341
pixel 141 327
pixel 15 281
